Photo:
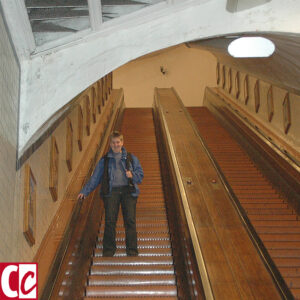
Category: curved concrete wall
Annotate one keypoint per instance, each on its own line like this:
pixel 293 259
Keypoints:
pixel 51 79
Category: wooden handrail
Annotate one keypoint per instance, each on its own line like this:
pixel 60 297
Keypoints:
pixel 192 256
pixel 77 221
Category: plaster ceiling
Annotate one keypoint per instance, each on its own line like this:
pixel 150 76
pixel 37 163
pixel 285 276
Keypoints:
pixel 282 68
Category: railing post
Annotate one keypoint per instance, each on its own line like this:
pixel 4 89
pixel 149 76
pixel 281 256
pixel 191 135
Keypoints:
pixel 95 13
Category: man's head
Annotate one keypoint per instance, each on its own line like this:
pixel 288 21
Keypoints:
pixel 116 141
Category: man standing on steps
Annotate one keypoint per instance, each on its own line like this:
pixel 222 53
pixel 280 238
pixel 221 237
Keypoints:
pixel 119 173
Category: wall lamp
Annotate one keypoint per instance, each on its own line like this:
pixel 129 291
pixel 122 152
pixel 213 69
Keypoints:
pixel 163 70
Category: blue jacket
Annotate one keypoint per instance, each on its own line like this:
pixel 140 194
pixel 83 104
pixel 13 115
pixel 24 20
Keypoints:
pixel 96 178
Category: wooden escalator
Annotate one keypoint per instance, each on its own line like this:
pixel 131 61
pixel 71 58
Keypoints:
pixel 274 220
pixel 150 275
pixel 166 266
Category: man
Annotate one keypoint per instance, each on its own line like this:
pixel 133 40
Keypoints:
pixel 119 175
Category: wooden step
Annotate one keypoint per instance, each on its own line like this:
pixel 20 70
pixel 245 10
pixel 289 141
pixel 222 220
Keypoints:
pixel 268 211
pixel 286 237
pixel 142 236
pixel 133 261
pixel 132 270
pixel 265 205
pixel 114 280
pixel 287 262
pixel 154 251
pixel 284 252
pixel 278 230
pixel 131 291
pixel 133 298
pixel 271 217
pixel 142 244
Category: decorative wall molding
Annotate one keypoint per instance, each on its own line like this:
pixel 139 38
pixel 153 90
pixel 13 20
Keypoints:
pixel 270 135
pixel 274 111
pixel 69 144
pixel 229 81
pixel 237 85
pixel 286 113
pixel 256 96
pixel 270 103
pixel 54 164
pixel 218 73
pixel 83 164
pixel 29 213
pixel 99 96
pixel 80 127
pixel 87 114
pixel 94 104
pixel 246 89
pixel 223 77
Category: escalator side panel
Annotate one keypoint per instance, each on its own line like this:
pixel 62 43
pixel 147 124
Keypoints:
pixel 269 212
pixel 234 267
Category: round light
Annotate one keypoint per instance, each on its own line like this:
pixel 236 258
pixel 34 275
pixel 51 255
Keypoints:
pixel 251 47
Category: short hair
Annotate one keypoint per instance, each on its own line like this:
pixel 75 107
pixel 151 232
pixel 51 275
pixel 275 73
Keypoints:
pixel 116 134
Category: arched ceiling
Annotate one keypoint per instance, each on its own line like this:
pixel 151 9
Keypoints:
pixel 50 79
pixel 282 68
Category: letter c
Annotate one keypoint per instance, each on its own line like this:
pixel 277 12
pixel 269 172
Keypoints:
pixel 5 281
pixel 26 292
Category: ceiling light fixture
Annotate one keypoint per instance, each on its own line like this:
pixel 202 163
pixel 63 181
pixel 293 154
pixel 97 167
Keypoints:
pixel 251 47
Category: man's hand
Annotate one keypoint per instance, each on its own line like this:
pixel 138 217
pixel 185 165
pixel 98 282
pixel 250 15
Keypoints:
pixel 80 196
pixel 128 174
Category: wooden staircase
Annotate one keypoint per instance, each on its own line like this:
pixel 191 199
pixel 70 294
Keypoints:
pixel 150 275
pixel 276 223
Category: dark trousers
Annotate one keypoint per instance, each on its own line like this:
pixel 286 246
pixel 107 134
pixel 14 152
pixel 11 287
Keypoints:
pixel 120 195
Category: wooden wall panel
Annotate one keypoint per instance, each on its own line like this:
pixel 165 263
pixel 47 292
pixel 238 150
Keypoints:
pixel 270 103
pixel 256 96
pixel 94 104
pixel 286 113
pixel 29 213
pixel 273 110
pixel 218 73
pixel 246 89
pixel 223 77
pixel 99 96
pixel 79 127
pixel 229 81
pixel 237 85
pixel 53 178
pixel 87 115
pixel 69 144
